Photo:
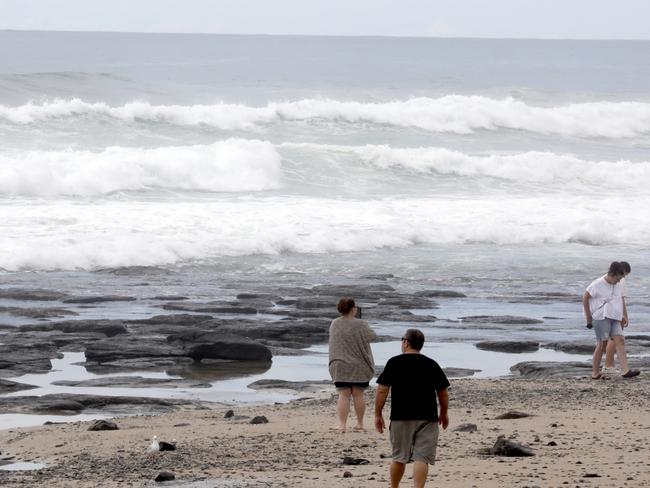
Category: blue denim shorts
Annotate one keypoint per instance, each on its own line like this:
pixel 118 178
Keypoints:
pixel 607 328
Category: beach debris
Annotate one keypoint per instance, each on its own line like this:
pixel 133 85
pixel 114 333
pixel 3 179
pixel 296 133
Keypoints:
pixel 466 428
pixel 103 425
pixel 350 461
pixel 513 414
pixel 347 474
pixel 229 414
pixel 259 419
pixel 508 448
pixel 165 476
pixel 552 443
pixel 591 475
pixel 167 446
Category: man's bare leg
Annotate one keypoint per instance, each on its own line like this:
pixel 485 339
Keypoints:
pixel 396 473
pixel 609 354
pixel 598 356
pixel 620 352
pixel 420 471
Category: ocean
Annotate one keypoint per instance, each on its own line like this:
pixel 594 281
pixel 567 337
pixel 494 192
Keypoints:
pixel 147 164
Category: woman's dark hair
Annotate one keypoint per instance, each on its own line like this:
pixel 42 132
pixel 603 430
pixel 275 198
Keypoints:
pixel 415 338
pixel 626 267
pixel 345 305
pixel 616 269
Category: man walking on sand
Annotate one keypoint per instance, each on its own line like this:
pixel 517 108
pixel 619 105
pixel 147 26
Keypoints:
pixel 414 381
pixel 611 345
pixel 605 309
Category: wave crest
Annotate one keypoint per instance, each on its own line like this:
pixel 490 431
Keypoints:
pixel 543 167
pixel 232 165
pixel 453 113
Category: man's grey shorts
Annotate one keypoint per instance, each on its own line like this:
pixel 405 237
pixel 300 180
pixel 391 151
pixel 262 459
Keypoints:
pixel 607 328
pixel 414 440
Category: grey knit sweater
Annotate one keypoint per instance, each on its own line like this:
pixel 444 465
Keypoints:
pixel 349 350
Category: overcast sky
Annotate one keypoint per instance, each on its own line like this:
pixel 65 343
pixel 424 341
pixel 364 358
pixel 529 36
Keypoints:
pixel 563 19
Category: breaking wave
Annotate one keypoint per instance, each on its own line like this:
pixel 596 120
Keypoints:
pixel 454 114
pixel 543 167
pixel 232 165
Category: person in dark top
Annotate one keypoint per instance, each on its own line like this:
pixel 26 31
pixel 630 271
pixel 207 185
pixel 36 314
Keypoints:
pixel 414 381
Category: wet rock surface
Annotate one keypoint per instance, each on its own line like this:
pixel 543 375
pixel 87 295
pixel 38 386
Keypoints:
pixel 134 382
pixel 7 386
pixel 239 334
pixel 271 384
pixel 508 346
pixel 500 319
pixel 66 404
pixel 247 328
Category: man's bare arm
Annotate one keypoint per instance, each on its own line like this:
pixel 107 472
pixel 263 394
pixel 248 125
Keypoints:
pixel 585 306
pixel 380 400
pixel 443 398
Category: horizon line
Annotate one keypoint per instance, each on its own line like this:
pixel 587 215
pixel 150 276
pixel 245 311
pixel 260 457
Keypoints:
pixel 387 36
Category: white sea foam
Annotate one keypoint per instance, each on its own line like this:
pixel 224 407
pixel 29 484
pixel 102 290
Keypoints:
pixel 454 113
pixel 236 165
pixel 563 170
pixel 231 165
pixel 67 235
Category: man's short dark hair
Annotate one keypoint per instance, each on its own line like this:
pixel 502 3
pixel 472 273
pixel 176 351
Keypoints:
pixel 616 269
pixel 415 338
pixel 626 267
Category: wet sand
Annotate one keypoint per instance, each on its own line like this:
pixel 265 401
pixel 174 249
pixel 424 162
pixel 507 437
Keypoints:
pixel 584 433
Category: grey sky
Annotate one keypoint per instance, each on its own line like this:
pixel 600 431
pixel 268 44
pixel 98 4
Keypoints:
pixel 567 19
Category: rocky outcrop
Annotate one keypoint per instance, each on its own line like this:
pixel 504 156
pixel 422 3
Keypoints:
pixel 439 294
pixel 7 386
pixel 25 294
pixel 19 359
pixel 508 346
pixel 133 382
pixel 301 386
pixel 500 319
pixel 64 404
pixel 571 347
pixel 547 369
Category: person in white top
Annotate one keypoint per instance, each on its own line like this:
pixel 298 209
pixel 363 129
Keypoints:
pixel 605 310
pixel 611 345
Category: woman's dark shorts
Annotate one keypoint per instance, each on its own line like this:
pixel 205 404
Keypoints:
pixel 344 385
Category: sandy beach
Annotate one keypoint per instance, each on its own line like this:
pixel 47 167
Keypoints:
pixel 583 433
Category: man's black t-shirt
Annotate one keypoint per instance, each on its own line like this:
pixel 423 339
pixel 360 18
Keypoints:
pixel 414 380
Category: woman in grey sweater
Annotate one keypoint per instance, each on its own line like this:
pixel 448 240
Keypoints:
pixel 351 363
